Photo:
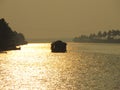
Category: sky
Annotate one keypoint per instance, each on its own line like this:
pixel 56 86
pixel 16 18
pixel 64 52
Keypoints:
pixel 60 18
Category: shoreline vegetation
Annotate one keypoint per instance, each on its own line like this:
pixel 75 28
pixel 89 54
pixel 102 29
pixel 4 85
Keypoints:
pixel 112 36
pixel 9 39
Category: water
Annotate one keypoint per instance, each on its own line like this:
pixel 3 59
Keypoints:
pixel 87 66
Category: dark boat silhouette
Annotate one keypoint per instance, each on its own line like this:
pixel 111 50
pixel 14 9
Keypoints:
pixel 58 46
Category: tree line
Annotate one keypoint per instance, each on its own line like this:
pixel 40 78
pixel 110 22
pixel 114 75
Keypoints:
pixel 109 36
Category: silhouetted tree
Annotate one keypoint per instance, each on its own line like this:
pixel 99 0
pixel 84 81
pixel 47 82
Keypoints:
pixel 104 34
pixel 8 37
pixel 109 36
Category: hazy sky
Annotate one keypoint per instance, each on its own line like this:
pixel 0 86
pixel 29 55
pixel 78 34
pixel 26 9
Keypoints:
pixel 60 18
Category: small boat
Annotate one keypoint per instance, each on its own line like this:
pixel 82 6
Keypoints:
pixel 14 48
pixel 58 46
pixel 10 48
pixel 3 52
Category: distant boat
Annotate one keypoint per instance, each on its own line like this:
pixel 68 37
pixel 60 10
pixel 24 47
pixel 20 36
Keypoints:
pixel 58 46
pixel 10 48
pixel 3 52
pixel 14 48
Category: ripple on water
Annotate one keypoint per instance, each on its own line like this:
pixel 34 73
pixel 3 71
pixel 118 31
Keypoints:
pixel 39 69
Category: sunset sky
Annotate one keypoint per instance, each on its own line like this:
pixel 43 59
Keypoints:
pixel 60 18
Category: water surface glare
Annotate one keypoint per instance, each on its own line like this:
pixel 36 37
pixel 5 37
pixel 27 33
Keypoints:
pixel 84 67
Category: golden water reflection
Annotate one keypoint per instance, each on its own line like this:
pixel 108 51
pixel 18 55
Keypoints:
pixel 34 67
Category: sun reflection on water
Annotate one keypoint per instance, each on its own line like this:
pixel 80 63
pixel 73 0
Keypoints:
pixel 34 67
